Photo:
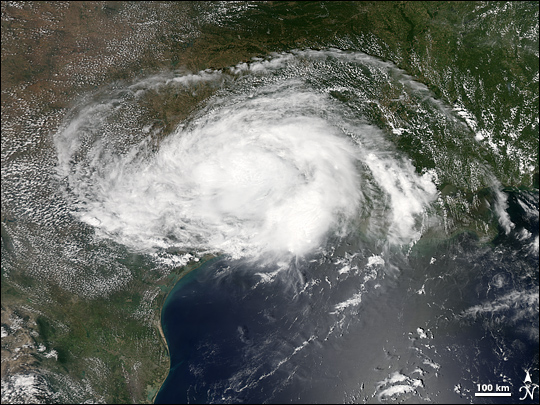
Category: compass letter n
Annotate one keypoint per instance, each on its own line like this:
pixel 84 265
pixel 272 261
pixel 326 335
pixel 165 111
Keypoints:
pixel 529 390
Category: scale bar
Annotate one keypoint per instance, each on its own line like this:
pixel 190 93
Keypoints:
pixel 492 394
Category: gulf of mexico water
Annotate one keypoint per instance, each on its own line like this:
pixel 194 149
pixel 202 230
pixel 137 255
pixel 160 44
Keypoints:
pixel 350 163
pixel 338 278
pixel 367 327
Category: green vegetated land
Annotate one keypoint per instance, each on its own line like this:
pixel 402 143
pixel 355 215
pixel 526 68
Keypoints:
pixel 113 342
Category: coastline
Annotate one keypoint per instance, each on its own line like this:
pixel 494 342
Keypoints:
pixel 162 334
pixel 188 268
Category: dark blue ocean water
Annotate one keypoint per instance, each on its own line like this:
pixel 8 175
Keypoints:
pixel 427 325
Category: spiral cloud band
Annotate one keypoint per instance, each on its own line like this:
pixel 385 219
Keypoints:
pixel 272 164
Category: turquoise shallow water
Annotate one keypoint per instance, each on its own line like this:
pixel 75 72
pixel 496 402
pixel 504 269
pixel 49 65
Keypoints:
pixel 355 148
pixel 408 327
